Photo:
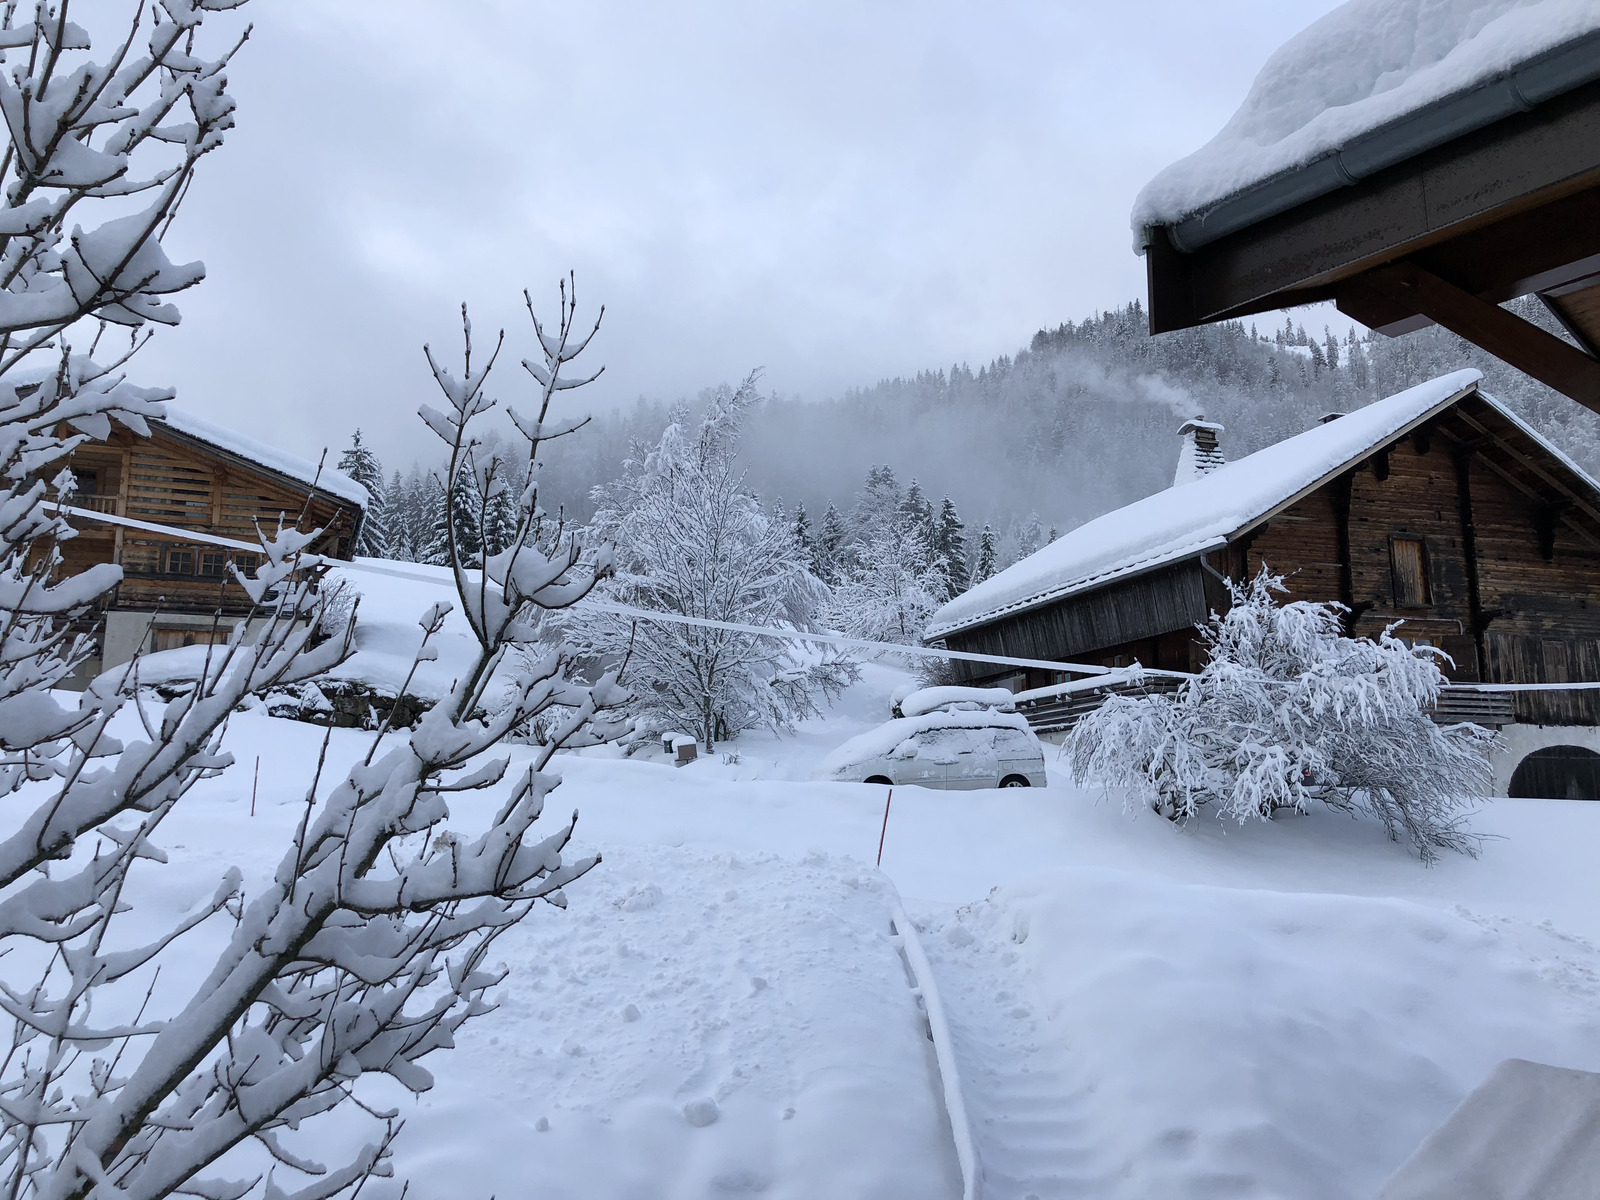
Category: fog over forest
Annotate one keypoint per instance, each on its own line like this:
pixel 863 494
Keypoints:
pixel 1082 420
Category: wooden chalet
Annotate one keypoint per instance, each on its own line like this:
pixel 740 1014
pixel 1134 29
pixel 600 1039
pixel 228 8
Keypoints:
pixel 1437 507
pixel 191 476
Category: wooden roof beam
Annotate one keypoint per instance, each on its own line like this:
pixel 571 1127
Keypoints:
pixel 1379 294
pixel 1562 509
pixel 1531 465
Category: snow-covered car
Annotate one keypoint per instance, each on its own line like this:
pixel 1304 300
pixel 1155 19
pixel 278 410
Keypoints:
pixel 955 750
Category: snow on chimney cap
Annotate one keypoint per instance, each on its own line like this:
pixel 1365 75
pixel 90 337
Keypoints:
pixel 1200 454
pixel 1329 416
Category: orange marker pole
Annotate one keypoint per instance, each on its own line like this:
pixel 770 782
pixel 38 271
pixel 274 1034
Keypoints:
pixel 882 834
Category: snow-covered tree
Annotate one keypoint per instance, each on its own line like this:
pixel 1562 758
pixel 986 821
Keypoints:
pixel 800 529
pixel 950 544
pixel 692 540
pixel 893 575
pixel 988 555
pixel 1289 711
pixel 830 545
pixel 434 507
pixel 499 519
pixel 362 465
pixel 365 951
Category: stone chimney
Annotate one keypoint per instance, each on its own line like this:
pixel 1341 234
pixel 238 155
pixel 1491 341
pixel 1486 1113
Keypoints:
pixel 1199 454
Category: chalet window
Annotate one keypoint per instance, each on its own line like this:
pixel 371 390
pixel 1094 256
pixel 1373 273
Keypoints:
pixel 1408 560
pixel 179 561
pixel 247 564
pixel 213 563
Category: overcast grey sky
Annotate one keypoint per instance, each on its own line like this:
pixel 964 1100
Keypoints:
pixel 835 190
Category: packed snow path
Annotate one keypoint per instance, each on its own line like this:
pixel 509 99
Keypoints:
pixel 1031 1104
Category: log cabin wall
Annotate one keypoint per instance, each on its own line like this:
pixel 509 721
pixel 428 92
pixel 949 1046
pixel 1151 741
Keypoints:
pixel 1133 617
pixel 173 480
pixel 1511 565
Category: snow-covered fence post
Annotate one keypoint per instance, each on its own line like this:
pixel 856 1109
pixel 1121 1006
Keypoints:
pixel 1288 711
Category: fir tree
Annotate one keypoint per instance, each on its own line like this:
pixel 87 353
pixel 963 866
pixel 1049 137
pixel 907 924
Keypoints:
pixel 801 528
pixel 466 505
pixel 362 465
pixel 986 556
pixel 951 535
pixel 829 548
pixel 398 500
pixel 499 510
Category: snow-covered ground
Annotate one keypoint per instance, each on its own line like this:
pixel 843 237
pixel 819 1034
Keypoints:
pixel 1138 1010
pixel 1283 1009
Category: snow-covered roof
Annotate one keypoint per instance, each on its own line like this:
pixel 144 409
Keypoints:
pixel 1191 519
pixel 1363 74
pixel 263 455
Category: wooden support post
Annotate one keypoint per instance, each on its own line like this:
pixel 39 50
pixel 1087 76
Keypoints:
pixel 1376 296
pixel 1469 556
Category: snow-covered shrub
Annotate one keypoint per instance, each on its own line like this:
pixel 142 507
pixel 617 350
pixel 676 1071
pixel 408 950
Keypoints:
pixel 691 539
pixel 1288 711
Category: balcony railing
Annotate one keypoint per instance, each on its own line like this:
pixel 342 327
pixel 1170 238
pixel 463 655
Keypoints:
pixel 99 504
pixel 1057 709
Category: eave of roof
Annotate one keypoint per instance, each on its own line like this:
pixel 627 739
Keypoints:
pixel 1541 78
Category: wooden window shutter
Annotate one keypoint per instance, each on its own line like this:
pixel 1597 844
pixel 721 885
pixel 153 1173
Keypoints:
pixel 1408 561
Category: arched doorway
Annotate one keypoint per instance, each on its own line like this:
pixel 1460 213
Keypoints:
pixel 1557 773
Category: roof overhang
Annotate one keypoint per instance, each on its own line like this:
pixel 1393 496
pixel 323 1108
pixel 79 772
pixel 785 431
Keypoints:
pixel 1444 235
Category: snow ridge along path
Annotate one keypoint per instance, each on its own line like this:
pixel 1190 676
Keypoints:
pixel 1030 1102
pixel 927 991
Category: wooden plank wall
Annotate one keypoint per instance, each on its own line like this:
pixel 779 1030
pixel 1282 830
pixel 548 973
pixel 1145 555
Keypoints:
pixel 1540 616
pixel 170 482
pixel 1147 606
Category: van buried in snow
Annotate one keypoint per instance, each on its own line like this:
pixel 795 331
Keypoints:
pixel 976 748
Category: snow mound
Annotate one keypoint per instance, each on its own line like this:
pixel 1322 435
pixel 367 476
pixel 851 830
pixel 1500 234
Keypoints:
pixel 1191 519
pixel 971 699
pixel 388 634
pixel 1364 65
pixel 751 1032
pixel 1290 1044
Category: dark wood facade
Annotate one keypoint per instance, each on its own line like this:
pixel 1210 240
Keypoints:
pixel 173 479
pixel 1483 540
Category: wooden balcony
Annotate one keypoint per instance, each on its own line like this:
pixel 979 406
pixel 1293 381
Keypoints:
pixel 99 504
pixel 1057 709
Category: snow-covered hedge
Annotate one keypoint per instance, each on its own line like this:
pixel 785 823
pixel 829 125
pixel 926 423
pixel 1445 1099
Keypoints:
pixel 1289 711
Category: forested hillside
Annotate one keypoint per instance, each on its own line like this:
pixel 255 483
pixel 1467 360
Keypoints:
pixel 1082 420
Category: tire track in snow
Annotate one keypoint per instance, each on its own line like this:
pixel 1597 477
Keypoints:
pixel 1031 1104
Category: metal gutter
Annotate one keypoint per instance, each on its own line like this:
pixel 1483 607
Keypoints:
pixel 1541 78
